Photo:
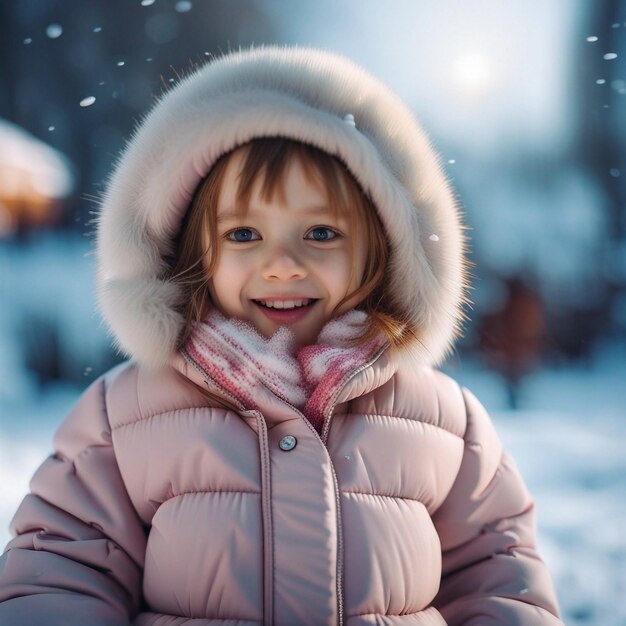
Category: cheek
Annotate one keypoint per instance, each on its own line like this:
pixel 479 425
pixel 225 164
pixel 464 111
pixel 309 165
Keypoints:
pixel 219 278
pixel 336 270
pixel 224 265
pixel 232 273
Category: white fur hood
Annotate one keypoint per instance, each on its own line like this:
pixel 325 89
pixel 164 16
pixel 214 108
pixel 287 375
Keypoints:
pixel 310 95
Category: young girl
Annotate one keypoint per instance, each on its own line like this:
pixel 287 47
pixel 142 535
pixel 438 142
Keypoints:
pixel 282 258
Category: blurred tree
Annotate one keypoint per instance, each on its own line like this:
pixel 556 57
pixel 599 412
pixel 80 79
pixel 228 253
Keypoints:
pixel 602 136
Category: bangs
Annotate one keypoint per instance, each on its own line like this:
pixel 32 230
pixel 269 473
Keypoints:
pixel 268 159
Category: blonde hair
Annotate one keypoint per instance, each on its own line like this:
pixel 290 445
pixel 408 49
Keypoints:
pixel 269 157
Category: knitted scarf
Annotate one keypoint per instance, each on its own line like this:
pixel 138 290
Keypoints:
pixel 239 360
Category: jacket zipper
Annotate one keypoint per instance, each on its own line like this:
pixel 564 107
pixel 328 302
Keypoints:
pixel 323 439
pixel 344 384
pixel 268 562
pixel 268 532
pixel 237 405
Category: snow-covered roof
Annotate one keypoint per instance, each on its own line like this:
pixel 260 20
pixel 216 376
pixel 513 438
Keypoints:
pixel 23 157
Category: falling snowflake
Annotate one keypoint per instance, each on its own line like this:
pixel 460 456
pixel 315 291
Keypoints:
pixel 452 161
pixel 87 102
pixel 182 6
pixel 54 31
pixel 121 63
pixel 147 3
pixel 592 38
pixel 97 29
pixel 434 238
pixel 28 40
pixel 600 81
pixel 609 56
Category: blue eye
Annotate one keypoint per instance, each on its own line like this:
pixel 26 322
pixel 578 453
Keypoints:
pixel 322 233
pixel 241 235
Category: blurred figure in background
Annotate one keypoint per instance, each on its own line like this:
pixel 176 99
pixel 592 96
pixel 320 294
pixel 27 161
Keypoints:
pixel 511 338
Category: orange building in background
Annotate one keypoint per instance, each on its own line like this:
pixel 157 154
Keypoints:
pixel 34 180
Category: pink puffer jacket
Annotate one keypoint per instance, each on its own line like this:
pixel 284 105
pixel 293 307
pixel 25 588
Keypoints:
pixel 161 507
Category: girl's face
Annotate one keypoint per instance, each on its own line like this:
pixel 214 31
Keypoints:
pixel 284 262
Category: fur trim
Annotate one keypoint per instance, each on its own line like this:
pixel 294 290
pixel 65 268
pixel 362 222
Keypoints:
pixel 127 304
pixel 299 93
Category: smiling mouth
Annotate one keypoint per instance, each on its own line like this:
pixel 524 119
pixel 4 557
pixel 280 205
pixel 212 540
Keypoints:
pixel 285 305
pixel 285 311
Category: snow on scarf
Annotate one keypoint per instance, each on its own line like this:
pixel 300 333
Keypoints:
pixel 239 360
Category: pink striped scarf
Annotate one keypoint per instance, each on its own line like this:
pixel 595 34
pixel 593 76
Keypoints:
pixel 239 360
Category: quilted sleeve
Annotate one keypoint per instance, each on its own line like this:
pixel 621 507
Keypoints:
pixel 78 547
pixel 492 573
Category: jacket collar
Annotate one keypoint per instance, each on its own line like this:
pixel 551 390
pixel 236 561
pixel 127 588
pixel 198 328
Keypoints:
pixel 237 366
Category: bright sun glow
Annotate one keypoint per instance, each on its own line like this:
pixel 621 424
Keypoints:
pixel 473 72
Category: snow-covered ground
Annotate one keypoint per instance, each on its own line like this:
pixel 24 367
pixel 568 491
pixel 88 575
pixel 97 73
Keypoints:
pixel 569 444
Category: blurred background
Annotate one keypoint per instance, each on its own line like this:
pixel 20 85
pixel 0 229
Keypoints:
pixel 524 100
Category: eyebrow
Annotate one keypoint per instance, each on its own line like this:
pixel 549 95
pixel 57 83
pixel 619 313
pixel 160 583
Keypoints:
pixel 232 213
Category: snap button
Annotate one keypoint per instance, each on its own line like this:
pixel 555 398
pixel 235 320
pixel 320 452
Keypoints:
pixel 288 442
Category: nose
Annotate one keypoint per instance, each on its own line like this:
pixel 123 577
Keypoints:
pixel 282 263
